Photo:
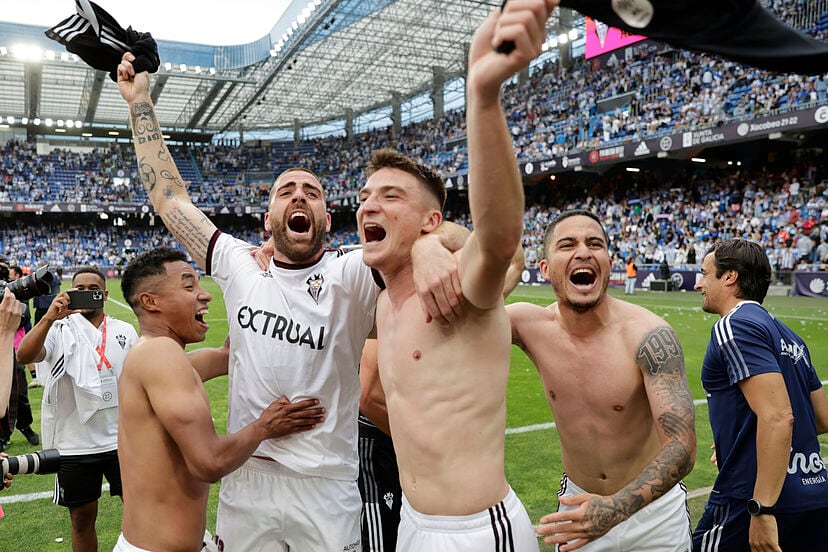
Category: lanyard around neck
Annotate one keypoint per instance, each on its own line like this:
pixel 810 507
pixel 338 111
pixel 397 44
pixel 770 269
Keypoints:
pixel 101 350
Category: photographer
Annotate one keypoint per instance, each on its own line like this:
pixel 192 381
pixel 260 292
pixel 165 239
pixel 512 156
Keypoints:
pixel 19 413
pixel 84 350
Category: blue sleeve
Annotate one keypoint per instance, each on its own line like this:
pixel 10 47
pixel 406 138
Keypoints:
pixel 813 378
pixel 746 348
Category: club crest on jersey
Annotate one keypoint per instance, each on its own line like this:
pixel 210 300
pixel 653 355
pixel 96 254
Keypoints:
pixel 315 286
pixel 121 339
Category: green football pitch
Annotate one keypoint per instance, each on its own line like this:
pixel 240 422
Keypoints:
pixel 33 523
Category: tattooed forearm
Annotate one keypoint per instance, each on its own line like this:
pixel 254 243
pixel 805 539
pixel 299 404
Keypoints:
pixel 661 361
pixel 174 177
pixel 660 352
pixel 145 127
pixel 664 472
pixel 188 231
pixel 676 426
pixel 147 174
pixel 163 154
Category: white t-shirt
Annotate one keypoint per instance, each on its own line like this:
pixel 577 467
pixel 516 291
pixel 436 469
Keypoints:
pixel 61 424
pixel 297 332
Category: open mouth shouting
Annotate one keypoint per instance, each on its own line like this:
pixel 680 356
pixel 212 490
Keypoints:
pixel 299 222
pixel 583 278
pixel 199 316
pixel 373 232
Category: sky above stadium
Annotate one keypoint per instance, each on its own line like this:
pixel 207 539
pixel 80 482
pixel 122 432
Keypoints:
pixel 203 22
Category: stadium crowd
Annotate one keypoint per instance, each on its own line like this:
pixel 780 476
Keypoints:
pixel 554 111
pixel 786 211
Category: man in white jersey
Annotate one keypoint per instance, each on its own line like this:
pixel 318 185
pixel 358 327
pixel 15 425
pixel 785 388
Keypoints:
pixel 296 330
pixel 445 385
pixel 85 351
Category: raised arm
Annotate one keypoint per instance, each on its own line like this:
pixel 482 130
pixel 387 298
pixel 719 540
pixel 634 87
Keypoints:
pixel 32 347
pixel 178 399
pixel 514 272
pixel 10 311
pixel 166 189
pixel 495 187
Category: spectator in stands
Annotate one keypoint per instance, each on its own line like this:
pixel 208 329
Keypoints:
pixel 632 274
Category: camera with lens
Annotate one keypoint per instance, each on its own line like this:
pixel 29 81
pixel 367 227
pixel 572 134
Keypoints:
pixel 42 461
pixel 37 283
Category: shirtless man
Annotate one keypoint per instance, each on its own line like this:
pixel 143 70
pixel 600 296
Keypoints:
pixel 614 378
pixel 168 447
pixel 445 385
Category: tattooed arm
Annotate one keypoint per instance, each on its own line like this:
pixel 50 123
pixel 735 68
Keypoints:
pixel 661 361
pixel 166 189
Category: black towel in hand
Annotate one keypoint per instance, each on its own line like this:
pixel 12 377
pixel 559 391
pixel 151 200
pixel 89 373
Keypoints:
pixel 739 30
pixel 97 39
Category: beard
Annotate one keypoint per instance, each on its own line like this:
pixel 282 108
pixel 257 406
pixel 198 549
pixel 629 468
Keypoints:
pixel 299 252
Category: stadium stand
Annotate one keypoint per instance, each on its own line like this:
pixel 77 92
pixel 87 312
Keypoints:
pixel 554 111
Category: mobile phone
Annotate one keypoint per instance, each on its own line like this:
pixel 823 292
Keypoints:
pixel 86 299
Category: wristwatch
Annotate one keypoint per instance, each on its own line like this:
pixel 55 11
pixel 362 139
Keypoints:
pixel 755 508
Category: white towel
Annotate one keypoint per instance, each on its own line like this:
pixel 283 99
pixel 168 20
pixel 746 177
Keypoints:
pixel 80 340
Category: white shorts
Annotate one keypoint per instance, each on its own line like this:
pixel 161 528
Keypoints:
pixel 661 526
pixel 123 545
pixel 264 506
pixel 505 527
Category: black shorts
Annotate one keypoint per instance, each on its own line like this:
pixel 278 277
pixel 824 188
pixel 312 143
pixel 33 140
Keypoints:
pixel 379 485
pixel 725 528
pixel 79 478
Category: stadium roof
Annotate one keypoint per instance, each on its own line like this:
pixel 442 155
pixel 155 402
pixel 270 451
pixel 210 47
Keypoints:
pixel 323 59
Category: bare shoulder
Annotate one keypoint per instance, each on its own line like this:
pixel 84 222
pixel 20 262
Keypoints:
pixel 150 355
pixel 529 312
pixel 637 322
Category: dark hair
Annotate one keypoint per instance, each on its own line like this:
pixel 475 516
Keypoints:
pixel 749 261
pixel 16 269
pixel 89 270
pixel 146 265
pixel 547 237
pixel 293 169
pixel 387 158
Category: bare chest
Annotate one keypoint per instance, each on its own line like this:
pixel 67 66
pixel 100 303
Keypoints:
pixel 600 374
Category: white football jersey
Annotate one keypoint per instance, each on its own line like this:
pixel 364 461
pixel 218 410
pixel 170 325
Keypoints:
pixel 297 332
